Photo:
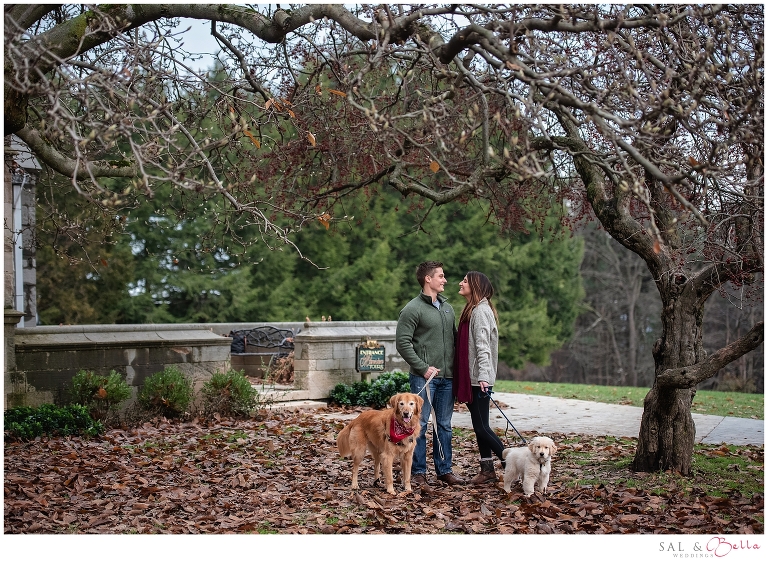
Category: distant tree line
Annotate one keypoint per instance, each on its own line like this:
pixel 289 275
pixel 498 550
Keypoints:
pixel 613 338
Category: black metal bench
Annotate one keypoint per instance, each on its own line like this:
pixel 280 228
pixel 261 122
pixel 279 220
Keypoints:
pixel 251 348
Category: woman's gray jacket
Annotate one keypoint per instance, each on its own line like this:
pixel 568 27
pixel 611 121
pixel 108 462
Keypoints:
pixel 483 344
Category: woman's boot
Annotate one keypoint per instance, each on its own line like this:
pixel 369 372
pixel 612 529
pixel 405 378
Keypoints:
pixel 487 473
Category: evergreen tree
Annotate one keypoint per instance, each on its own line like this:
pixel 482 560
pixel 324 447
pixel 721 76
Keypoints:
pixel 166 269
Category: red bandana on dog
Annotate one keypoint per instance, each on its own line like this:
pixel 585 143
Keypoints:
pixel 397 432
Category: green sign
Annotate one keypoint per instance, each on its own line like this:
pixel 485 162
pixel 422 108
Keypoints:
pixel 369 359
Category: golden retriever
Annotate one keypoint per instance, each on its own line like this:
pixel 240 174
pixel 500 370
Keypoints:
pixel 530 463
pixel 389 434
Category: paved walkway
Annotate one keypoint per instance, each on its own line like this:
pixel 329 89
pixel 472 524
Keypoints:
pixel 544 414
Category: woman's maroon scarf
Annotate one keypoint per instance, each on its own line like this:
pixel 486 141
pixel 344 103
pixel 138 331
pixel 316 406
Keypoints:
pixel 462 385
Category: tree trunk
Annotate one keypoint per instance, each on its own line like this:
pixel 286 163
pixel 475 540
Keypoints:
pixel 15 110
pixel 667 430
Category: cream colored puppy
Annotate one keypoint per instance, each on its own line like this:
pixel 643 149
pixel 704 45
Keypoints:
pixel 530 463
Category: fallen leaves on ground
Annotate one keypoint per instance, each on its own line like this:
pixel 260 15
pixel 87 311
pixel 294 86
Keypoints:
pixel 281 473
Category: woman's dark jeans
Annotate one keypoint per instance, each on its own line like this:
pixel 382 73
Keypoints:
pixel 487 441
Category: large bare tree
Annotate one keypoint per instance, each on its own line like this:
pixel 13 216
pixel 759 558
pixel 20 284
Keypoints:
pixel 647 117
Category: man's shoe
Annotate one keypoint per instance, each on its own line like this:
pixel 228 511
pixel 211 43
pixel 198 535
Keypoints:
pixel 451 479
pixel 420 481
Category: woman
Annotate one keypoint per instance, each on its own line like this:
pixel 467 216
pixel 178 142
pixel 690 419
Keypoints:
pixel 476 358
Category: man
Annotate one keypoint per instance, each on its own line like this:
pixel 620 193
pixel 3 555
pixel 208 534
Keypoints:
pixel 424 338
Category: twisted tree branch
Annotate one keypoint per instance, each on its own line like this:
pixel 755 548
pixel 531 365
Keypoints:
pixel 689 376
pixel 81 170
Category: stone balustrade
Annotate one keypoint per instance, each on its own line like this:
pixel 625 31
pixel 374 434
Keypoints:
pixel 44 359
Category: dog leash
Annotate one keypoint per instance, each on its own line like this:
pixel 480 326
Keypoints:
pixel 434 416
pixel 490 396
pixel 424 386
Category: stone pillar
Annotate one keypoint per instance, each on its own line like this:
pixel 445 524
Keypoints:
pixel 324 353
pixel 8 266
pixel 21 170
pixel 29 252
pixel 12 318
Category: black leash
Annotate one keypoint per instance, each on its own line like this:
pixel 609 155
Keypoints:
pixel 489 394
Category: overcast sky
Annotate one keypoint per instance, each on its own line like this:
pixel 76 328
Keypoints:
pixel 199 40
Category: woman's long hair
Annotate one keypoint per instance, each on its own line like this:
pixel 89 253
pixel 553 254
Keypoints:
pixel 479 287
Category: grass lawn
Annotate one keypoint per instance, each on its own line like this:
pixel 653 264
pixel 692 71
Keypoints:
pixel 718 471
pixel 731 404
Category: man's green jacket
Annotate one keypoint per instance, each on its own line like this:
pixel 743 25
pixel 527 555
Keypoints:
pixel 425 335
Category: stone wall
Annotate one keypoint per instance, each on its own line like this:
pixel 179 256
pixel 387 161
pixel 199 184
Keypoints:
pixel 46 358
